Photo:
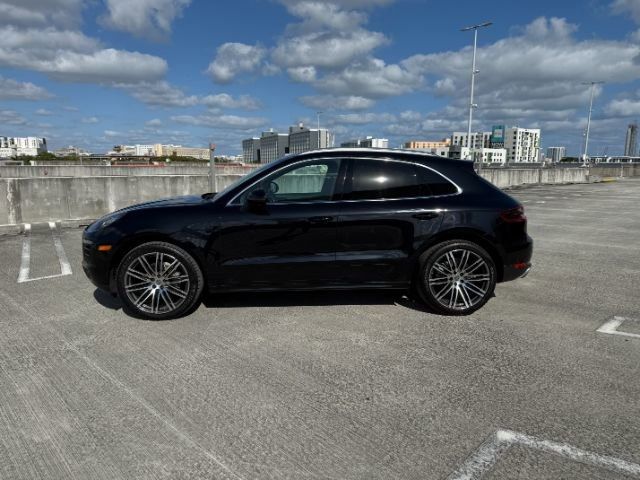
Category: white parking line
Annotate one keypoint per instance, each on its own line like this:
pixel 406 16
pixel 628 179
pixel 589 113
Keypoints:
pixel 25 262
pixel 611 327
pixel 483 459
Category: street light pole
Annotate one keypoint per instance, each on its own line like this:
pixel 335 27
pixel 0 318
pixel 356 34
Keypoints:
pixel 474 72
pixel 318 114
pixel 586 140
pixel 213 183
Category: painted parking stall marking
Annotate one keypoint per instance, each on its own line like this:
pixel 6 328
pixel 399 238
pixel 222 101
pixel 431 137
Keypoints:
pixel 611 326
pixel 25 261
pixel 488 454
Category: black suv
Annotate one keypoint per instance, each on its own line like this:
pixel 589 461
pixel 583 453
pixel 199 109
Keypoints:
pixel 328 219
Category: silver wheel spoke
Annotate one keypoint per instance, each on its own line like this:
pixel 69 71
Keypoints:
pixel 459 279
pixel 157 283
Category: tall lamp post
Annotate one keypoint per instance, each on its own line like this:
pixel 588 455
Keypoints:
pixel 318 114
pixel 213 183
pixel 474 72
pixel 586 139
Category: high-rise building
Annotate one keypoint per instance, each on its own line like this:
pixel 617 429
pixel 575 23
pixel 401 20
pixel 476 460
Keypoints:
pixel 273 145
pixel 303 139
pixel 478 139
pixel 22 146
pixel 368 142
pixel 555 154
pixel 631 142
pixel 522 144
pixel 251 150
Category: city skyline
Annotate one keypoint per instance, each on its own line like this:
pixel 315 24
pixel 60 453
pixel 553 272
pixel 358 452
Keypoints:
pixel 94 74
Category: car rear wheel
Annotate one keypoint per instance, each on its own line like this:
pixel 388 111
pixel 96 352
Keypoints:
pixel 159 281
pixel 456 277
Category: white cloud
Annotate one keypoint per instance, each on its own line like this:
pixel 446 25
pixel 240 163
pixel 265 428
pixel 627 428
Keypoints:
pixel 302 74
pixel 14 90
pixel 145 18
pixel 156 122
pixel 631 7
pixel 61 13
pixel 370 78
pixel 72 56
pixel 90 120
pixel 232 59
pixel 159 93
pixel 10 117
pixel 224 100
pixel 44 112
pixel 221 121
pixel 364 118
pixel 334 102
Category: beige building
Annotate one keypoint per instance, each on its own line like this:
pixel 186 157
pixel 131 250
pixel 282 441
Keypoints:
pixel 180 151
pixel 427 144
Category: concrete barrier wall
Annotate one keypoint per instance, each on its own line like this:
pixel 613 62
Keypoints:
pixel 69 198
pixel 19 171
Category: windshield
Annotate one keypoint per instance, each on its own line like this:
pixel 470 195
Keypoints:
pixel 250 176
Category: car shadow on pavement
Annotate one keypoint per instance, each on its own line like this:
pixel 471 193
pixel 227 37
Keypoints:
pixel 107 300
pixel 309 299
pixel 283 299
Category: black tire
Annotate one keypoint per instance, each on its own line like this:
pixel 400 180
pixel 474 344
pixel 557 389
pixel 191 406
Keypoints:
pixel 443 267
pixel 159 281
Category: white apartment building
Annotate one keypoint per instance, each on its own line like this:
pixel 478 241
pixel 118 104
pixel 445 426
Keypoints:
pixel 71 151
pixel 496 156
pixel 555 154
pixel 367 142
pixel 303 139
pixel 22 146
pixel 478 139
pixel 522 144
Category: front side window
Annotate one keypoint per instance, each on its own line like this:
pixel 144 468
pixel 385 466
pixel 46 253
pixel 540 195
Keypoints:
pixel 380 179
pixel 303 182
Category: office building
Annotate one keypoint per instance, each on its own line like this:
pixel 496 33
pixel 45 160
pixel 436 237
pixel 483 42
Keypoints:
pixel 631 141
pixel 496 156
pixel 180 151
pixel 251 150
pixel 427 144
pixel 303 139
pixel 71 151
pixel 22 146
pixel 273 145
pixel 478 139
pixel 367 142
pixel 555 154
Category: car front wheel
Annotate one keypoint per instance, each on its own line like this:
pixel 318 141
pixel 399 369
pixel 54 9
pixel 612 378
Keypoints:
pixel 159 281
pixel 456 277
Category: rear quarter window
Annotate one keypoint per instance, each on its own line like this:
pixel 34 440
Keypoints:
pixel 435 183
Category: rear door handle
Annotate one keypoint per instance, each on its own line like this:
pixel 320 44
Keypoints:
pixel 426 215
pixel 321 219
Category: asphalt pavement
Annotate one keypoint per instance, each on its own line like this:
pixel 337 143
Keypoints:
pixel 334 385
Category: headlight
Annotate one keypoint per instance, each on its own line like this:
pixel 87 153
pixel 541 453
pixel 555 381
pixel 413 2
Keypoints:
pixel 109 219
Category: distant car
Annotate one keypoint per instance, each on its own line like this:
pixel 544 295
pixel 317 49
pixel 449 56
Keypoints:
pixel 329 219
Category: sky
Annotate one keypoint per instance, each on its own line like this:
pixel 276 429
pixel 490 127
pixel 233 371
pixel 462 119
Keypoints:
pixel 98 73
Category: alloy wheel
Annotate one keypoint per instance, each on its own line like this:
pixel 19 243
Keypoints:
pixel 459 279
pixel 156 283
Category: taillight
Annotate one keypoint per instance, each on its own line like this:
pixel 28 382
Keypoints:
pixel 514 215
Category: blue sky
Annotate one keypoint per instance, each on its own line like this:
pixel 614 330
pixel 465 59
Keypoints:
pixel 96 73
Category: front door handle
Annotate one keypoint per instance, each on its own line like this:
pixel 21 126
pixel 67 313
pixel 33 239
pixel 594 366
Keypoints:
pixel 321 219
pixel 426 215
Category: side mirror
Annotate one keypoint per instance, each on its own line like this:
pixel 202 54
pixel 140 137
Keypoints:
pixel 257 201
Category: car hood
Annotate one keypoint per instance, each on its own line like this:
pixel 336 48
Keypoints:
pixel 167 202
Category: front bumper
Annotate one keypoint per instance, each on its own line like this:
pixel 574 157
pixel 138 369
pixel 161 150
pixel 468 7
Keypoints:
pixel 96 265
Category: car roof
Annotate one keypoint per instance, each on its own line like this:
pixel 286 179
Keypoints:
pixel 396 153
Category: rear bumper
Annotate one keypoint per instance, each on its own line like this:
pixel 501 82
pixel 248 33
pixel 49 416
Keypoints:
pixel 517 263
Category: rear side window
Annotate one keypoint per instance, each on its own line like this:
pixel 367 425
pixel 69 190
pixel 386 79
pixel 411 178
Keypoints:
pixel 435 183
pixel 379 179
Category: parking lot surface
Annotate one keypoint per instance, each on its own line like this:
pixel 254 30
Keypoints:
pixel 334 386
